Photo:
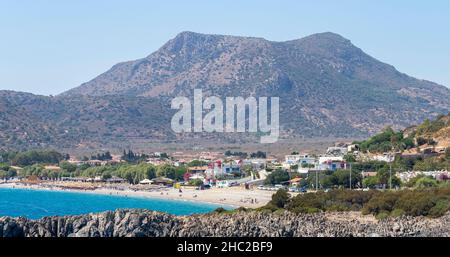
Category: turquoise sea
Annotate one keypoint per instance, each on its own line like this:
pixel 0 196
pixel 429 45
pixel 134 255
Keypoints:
pixel 35 204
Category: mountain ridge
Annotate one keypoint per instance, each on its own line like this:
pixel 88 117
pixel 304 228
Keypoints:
pixel 327 87
pixel 315 43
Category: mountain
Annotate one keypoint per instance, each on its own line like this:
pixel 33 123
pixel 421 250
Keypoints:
pixel 324 82
pixel 327 88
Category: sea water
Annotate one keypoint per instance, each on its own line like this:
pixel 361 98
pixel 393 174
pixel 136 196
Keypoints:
pixel 35 204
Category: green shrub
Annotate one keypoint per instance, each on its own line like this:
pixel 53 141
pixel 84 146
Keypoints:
pixel 415 203
pixel 280 198
pixel 305 210
pixel 383 202
pixel 241 209
pixel 279 212
pixel 433 202
pixel 397 213
pixel 268 208
pixel 220 210
pixel 426 182
pixel 382 215
pixel 440 208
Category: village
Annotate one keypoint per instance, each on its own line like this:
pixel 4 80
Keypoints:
pixel 233 178
pixel 221 170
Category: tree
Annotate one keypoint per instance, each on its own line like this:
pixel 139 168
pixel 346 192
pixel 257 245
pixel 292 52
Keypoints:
pixel 426 182
pixel 69 167
pixel 167 171
pixel 179 173
pixel 195 182
pixel 258 154
pixel 7 174
pixel 37 157
pixel 196 163
pixel 385 177
pixel 277 177
pixel 371 182
pixel 349 158
pixel 342 178
pixel 280 198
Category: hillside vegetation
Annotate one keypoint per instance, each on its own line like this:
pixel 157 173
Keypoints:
pixel 432 202
pixel 430 133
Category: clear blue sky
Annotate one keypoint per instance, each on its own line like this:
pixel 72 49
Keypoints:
pixel 47 47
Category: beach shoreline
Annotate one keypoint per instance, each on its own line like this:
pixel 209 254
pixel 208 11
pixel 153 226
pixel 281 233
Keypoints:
pixel 233 197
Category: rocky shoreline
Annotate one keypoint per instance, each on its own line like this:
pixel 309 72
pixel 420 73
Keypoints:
pixel 138 223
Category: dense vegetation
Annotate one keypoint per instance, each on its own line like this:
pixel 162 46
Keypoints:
pixel 32 157
pixel 133 173
pixel 258 154
pixel 6 172
pixel 238 154
pixel 132 157
pixel 277 177
pixel 432 202
pixel 387 140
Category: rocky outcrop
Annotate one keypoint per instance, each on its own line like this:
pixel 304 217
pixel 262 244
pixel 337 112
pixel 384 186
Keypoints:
pixel 142 223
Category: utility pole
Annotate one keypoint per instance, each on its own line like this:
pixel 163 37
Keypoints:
pixel 390 175
pixel 350 176
pixel 317 180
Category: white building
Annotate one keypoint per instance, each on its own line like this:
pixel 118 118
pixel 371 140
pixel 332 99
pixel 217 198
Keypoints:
pixel 298 159
pixel 331 163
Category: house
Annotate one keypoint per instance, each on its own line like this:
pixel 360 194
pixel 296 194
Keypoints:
pixel 255 163
pixel 218 168
pixel 292 159
pixel 306 170
pixel 231 168
pixel 331 163
pixel 299 159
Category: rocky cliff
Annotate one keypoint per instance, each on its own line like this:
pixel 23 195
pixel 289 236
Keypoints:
pixel 138 223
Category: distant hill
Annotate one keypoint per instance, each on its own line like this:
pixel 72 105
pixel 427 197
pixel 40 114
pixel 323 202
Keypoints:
pixel 432 133
pixel 327 87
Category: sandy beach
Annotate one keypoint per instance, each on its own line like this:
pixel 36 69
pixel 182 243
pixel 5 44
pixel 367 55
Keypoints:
pixel 232 196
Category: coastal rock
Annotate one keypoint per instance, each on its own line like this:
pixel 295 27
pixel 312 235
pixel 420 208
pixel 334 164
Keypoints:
pixel 144 223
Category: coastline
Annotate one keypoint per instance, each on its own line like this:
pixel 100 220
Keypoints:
pixel 233 197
